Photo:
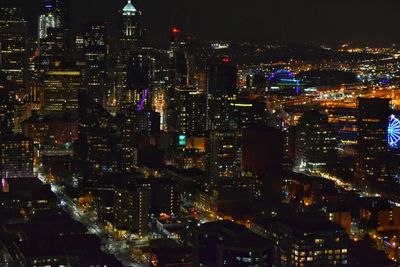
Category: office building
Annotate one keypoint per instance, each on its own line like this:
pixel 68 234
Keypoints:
pixel 246 113
pixel 372 145
pixel 316 143
pixel 95 50
pixel 308 241
pixel 53 129
pixel 53 48
pixel 13 54
pixel 141 121
pixel 224 243
pixel 140 73
pixel 61 89
pixel 221 89
pixel 184 66
pixel 16 157
pixel 98 147
pixel 189 107
pixel 7 106
pixel 130 28
pixel 132 210
pixel 49 19
pixel 60 10
pixel 164 195
pixel 225 152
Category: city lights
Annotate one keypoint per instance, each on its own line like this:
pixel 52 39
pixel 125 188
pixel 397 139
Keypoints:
pixel 143 134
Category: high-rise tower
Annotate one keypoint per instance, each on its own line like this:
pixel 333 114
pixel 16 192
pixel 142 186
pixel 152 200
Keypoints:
pixel 48 19
pixel 130 26
pixel 316 143
pixel 13 57
pixel 372 145
pixel 140 73
pixel 59 9
pixel 95 49
pixel 221 89
pixel 54 25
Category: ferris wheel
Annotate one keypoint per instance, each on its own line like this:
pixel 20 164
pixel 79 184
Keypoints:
pixel 393 131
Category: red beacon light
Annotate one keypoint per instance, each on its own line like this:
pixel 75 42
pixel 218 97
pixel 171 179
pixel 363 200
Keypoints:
pixel 176 30
pixel 226 60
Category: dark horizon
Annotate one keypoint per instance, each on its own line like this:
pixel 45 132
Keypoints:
pixel 264 21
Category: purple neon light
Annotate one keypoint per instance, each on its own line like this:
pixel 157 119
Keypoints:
pixel 141 103
pixel 291 75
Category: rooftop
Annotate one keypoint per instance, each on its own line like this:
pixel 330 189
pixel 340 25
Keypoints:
pixel 302 224
pixel 235 235
pixel 129 8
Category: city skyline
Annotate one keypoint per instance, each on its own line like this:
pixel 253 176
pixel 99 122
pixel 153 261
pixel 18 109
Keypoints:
pixel 207 134
pixel 264 21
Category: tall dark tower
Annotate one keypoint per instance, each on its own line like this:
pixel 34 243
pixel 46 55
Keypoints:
pixel 139 81
pixel 130 27
pixel 7 106
pixel 316 143
pixel 372 145
pixel 95 49
pixel 13 56
pixel 182 60
pixel 221 88
pixel 98 146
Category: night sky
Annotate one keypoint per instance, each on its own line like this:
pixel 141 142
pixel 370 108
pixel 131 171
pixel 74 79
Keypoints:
pixel 369 21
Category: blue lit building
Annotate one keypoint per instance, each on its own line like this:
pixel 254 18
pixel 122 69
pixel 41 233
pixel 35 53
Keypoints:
pixel 283 79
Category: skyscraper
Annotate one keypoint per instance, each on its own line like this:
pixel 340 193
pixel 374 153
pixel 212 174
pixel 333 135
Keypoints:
pixel 16 154
pixel 140 75
pixel 132 210
pixel 246 113
pixel 95 49
pixel 13 56
pixel 316 144
pixel 190 107
pixel 184 66
pixel 372 144
pixel 144 121
pixel 47 20
pixel 164 194
pixel 225 152
pixel 221 89
pixel 54 47
pixel 54 17
pixel 97 149
pixel 130 27
pixel 127 56
pixel 7 106
pixel 135 123
pixel 61 89
pixel 60 10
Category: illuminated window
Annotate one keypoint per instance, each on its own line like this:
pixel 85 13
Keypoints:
pixel 319 241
